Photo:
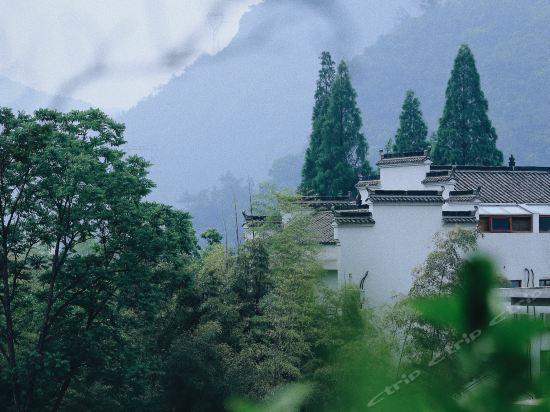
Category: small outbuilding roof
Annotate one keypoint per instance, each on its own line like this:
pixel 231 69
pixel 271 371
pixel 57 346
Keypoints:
pixel 459 216
pixel 463 195
pixel 353 216
pixel 368 183
pixel 388 159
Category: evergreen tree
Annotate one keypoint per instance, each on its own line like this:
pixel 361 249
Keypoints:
pixel 412 133
pixel 343 150
pixel 465 135
pixel 322 93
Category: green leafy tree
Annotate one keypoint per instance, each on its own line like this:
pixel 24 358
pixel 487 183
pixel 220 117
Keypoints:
pixel 251 323
pixel 466 135
pixel 77 245
pixel 413 132
pixel 327 74
pixel 489 361
pixel 343 148
pixel 212 236
pixel 437 276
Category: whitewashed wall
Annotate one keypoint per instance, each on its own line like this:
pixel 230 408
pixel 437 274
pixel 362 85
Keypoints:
pixel 400 239
pixel 512 252
pixel 404 177
pixel 328 255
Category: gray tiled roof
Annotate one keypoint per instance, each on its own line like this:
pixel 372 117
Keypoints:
pixel 437 177
pixel 258 220
pixel 368 183
pixel 322 227
pixel 466 216
pixel 353 216
pixel 327 203
pixel 406 196
pixel 462 195
pixel 506 186
pixel 458 220
pixel 402 160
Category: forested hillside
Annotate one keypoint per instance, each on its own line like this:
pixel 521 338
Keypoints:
pixel 509 41
pixel 249 125
pixel 251 103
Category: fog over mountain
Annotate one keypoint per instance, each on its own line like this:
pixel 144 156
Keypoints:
pixel 509 41
pixel 20 97
pixel 251 103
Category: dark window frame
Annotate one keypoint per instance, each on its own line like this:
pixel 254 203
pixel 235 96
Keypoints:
pixel 512 283
pixel 510 217
pixel 502 217
pixel 544 283
pixel 540 219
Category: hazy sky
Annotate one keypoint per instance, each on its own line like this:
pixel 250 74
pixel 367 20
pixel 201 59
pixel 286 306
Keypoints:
pixel 110 53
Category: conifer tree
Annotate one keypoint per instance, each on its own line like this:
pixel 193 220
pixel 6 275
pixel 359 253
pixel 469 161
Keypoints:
pixel 465 135
pixel 412 133
pixel 343 149
pixel 327 73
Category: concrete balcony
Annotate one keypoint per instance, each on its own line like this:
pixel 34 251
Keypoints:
pixel 524 293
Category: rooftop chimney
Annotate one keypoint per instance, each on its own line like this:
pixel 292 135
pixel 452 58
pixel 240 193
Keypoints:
pixel 381 153
pixel 512 161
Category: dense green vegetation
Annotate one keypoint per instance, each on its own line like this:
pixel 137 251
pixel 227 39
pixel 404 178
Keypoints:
pixel 108 303
pixel 87 265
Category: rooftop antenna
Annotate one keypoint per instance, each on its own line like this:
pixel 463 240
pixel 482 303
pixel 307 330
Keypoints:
pixel 512 161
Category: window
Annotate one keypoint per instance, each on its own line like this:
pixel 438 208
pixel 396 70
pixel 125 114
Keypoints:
pixel 505 224
pixel 521 224
pixel 500 224
pixel 514 283
pixel 544 283
pixel 484 224
pixel 544 224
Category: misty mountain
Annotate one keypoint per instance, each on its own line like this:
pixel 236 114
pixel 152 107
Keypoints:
pixel 215 206
pixel 20 97
pixel 509 41
pixel 251 103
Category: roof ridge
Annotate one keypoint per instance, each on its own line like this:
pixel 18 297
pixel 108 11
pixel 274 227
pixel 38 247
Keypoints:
pixel 458 168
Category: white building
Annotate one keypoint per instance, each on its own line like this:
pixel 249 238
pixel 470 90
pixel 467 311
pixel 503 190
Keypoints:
pixel 392 231
pixel 389 229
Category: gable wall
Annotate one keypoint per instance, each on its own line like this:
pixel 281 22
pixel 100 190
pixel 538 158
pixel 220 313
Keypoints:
pixel 405 177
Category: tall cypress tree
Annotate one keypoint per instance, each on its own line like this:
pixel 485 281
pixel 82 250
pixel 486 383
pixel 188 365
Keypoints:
pixel 413 132
pixel 465 135
pixel 327 72
pixel 343 149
